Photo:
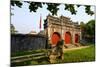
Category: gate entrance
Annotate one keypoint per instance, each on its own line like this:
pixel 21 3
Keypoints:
pixel 55 38
pixel 76 38
pixel 67 38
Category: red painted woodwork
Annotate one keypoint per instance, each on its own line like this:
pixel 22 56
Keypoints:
pixel 76 38
pixel 55 38
pixel 67 38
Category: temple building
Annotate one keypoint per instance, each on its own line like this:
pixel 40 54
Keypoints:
pixel 62 28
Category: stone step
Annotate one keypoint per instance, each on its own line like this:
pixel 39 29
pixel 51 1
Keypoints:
pixel 27 57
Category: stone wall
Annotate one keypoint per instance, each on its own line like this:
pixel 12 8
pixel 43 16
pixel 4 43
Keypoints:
pixel 25 42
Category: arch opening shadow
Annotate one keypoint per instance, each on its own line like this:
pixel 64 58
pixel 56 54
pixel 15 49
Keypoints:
pixel 76 38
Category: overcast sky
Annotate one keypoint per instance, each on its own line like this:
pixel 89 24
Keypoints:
pixel 26 21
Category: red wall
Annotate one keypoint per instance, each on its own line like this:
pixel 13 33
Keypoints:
pixel 55 38
pixel 67 38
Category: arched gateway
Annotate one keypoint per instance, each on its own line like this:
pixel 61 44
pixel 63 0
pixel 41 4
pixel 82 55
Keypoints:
pixel 76 38
pixel 67 38
pixel 57 28
pixel 55 38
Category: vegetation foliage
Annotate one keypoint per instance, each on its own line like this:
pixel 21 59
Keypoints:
pixel 52 7
pixel 13 30
pixel 88 30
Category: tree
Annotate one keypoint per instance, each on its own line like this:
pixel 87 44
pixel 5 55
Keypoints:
pixel 83 29
pixel 13 30
pixel 88 30
pixel 52 7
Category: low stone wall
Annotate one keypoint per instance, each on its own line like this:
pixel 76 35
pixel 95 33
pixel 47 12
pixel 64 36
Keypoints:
pixel 25 42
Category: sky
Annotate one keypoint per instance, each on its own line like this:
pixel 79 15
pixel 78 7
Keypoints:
pixel 26 21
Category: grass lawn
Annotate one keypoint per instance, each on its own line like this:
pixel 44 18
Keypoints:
pixel 79 55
